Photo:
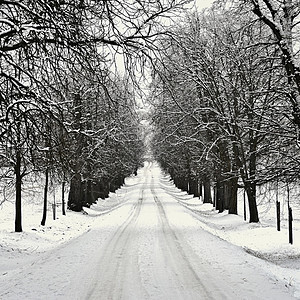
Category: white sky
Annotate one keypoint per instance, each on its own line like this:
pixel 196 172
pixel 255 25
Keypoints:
pixel 203 3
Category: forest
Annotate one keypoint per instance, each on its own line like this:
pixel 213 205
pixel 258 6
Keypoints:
pixel 223 96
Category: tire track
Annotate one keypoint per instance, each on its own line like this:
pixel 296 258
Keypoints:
pixel 115 257
pixel 184 272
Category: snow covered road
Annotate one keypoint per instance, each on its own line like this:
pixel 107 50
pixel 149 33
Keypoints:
pixel 149 248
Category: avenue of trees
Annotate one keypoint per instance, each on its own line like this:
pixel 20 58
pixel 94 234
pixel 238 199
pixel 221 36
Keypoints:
pixel 225 96
pixel 65 112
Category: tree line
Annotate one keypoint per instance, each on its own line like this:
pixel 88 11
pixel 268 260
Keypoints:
pixel 65 110
pixel 225 97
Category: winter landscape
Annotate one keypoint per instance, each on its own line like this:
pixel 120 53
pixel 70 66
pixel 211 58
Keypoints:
pixel 149 149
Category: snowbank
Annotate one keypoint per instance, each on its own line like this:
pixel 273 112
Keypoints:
pixel 259 239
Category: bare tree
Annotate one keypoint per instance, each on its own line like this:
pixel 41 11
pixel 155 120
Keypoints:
pixel 43 40
pixel 222 74
pixel 282 18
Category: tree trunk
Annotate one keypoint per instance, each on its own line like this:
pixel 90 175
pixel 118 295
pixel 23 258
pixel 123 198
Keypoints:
pixel 184 184
pixel 103 188
pixel 43 222
pixel 215 197
pixel 112 186
pixel 196 187
pixel 88 198
pixel 220 195
pixel 75 193
pixel 251 195
pixel 97 190
pixel 207 190
pixel 121 180
pixel 75 198
pixel 179 182
pixel 171 172
pixel 251 184
pixel 223 181
pixel 226 193
pixel 175 181
pixel 193 187
pixel 233 196
pixel 200 188
pixel 63 198
pixel 18 204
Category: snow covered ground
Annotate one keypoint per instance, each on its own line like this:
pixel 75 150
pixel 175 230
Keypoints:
pixel 144 222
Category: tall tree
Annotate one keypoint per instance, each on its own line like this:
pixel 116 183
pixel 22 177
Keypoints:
pixel 43 40
pixel 221 72
pixel 282 18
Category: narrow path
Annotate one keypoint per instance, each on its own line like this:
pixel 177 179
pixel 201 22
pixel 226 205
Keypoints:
pixel 149 248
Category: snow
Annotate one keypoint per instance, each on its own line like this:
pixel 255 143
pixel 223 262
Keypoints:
pixel 161 231
pixel 261 240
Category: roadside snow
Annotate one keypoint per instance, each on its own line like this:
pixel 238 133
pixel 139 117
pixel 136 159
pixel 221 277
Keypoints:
pixel 261 240
pixel 17 247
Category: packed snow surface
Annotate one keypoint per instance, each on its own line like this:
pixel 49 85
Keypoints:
pixel 148 240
